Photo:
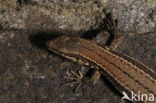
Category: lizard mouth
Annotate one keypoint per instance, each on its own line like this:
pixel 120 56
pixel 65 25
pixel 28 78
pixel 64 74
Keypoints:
pixel 55 51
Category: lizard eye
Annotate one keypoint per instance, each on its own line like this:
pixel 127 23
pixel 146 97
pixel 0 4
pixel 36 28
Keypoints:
pixel 77 58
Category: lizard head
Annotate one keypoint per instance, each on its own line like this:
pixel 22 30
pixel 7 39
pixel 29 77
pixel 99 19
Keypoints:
pixel 66 46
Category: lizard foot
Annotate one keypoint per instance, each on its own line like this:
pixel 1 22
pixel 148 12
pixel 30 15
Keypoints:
pixel 78 79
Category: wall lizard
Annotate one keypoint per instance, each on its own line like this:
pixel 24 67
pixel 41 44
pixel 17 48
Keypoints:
pixel 125 73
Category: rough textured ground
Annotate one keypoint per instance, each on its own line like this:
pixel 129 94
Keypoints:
pixel 29 73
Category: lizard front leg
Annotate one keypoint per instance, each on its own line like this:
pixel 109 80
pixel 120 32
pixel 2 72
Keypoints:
pixel 78 79
pixel 111 26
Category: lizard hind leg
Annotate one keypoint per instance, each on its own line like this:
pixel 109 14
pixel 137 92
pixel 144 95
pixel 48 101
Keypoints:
pixel 78 79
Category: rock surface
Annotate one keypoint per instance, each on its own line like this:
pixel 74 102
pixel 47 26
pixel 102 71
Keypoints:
pixel 29 73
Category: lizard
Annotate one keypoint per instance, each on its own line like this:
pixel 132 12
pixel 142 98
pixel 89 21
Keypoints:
pixel 124 72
